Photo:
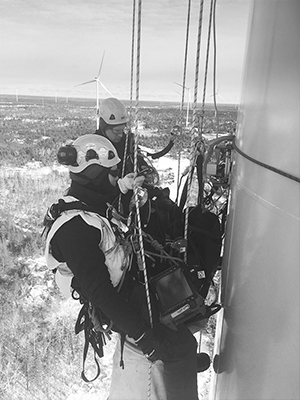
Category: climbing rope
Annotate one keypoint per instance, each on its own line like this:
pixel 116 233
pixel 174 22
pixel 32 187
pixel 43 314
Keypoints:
pixel 131 99
pixel 197 67
pixel 192 161
pixel 132 58
pixel 183 90
pixel 186 53
pixel 141 255
pixel 196 147
pixel 123 168
pixel 206 65
pixel 215 69
pixel 195 141
pixel 136 197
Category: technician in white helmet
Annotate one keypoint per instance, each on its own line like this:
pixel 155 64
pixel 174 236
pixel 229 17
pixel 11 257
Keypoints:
pixel 113 126
pixel 86 249
pixel 113 123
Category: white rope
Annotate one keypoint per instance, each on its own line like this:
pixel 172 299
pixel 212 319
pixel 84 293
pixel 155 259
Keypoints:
pixel 132 58
pixel 135 189
pixel 186 52
pixel 183 92
pixel 123 168
pixel 193 152
pixel 136 199
pixel 206 66
pixel 131 101
pixel 198 142
pixel 215 69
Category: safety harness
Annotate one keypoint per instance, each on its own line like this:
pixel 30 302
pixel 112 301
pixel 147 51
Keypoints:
pixel 96 325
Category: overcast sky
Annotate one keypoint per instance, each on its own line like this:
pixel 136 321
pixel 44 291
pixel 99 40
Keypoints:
pixel 48 47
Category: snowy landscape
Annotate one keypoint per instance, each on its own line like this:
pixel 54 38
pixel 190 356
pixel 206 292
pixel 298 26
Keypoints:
pixel 167 169
pixel 41 357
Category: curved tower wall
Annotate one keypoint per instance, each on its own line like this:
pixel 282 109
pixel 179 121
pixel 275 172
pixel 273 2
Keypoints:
pixel 257 338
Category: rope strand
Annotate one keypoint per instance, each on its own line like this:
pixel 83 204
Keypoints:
pixel 132 58
pixel 135 190
pixel 183 91
pixel 193 152
pixel 215 69
pixel 206 65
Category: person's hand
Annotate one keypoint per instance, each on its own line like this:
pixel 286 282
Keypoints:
pixel 155 346
pixel 128 182
pixel 139 180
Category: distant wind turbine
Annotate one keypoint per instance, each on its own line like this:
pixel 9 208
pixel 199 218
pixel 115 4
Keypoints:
pixel 237 101
pixel 98 82
pixel 217 94
pixel 188 101
pixel 67 96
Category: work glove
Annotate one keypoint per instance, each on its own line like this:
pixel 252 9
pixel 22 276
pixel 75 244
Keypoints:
pixel 128 182
pixel 155 346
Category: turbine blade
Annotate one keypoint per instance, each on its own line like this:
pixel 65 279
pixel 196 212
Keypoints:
pixel 85 83
pixel 101 65
pixel 105 88
pixel 180 85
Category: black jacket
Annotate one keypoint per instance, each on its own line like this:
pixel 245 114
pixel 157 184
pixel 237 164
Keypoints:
pixel 77 244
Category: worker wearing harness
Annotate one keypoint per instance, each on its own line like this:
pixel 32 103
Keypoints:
pixel 83 248
pixel 113 125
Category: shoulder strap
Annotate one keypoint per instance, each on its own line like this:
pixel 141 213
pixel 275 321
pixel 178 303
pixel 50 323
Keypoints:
pixel 56 209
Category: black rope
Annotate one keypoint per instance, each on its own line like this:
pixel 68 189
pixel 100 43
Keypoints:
pixel 162 152
pixel 276 170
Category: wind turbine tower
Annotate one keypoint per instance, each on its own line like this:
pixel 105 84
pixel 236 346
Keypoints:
pixel 188 101
pixel 98 82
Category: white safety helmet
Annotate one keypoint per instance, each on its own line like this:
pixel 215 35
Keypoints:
pixel 93 149
pixel 113 112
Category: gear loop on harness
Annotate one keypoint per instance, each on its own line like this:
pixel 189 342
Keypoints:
pixel 92 337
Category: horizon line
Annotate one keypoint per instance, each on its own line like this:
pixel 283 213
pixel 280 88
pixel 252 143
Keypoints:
pixel 90 99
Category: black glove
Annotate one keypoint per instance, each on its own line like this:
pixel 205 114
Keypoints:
pixel 155 347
